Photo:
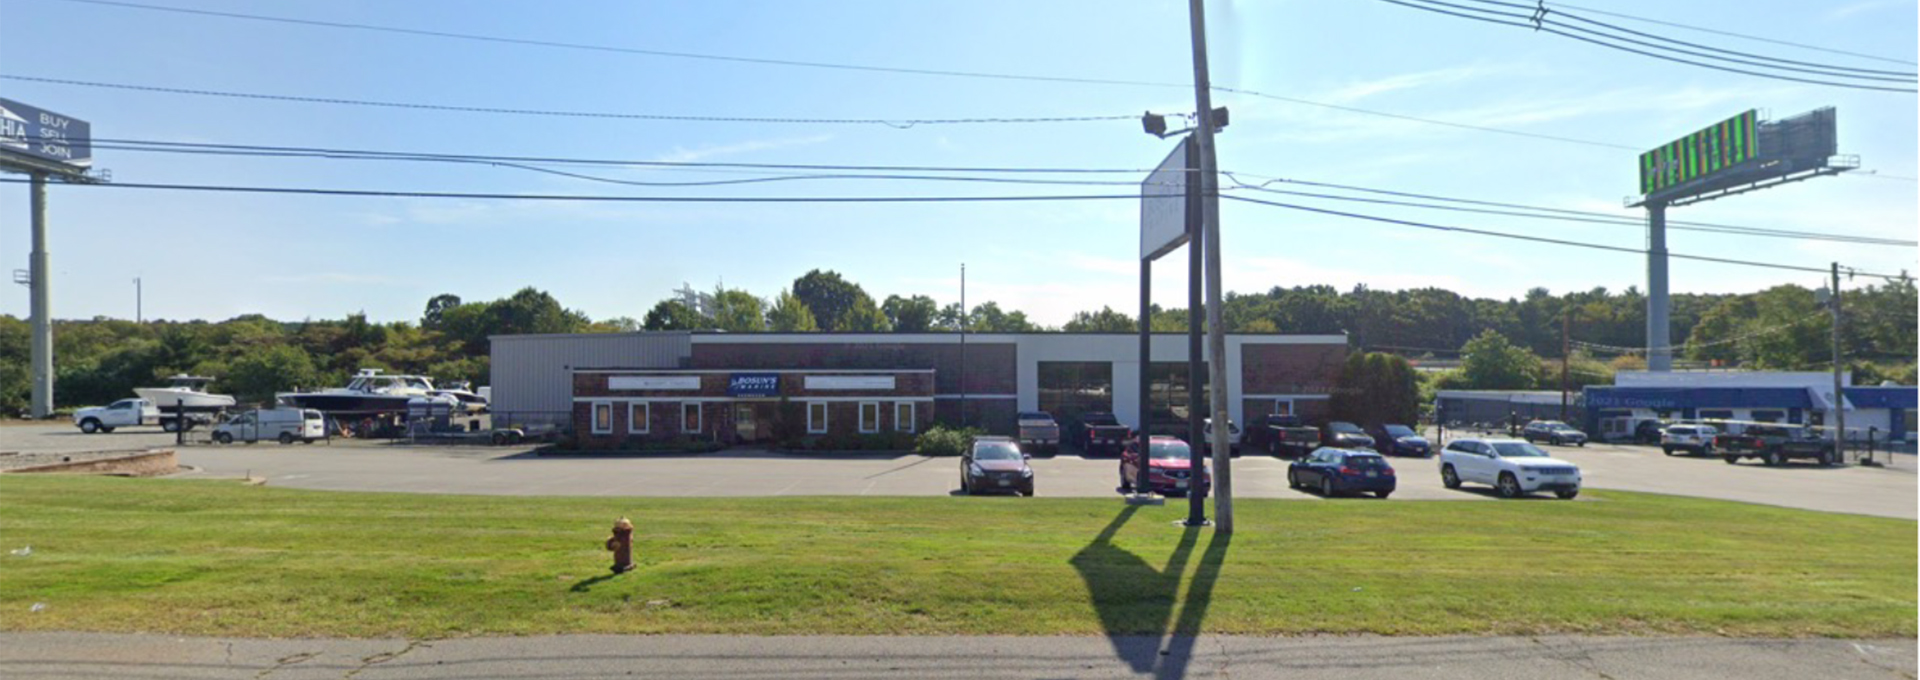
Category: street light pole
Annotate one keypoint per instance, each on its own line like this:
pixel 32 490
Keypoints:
pixel 1210 207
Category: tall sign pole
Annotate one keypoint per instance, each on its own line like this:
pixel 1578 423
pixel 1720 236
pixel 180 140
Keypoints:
pixel 963 344
pixel 41 302
pixel 1659 353
pixel 1566 357
pixel 1196 505
pixel 1210 236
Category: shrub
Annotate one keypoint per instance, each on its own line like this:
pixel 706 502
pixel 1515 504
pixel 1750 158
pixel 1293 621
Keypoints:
pixel 942 441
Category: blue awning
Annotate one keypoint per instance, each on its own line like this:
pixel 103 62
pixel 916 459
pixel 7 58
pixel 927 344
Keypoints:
pixel 1698 397
pixel 1896 397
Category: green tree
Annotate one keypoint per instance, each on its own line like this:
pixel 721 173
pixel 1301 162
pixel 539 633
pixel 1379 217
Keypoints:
pixel 261 372
pixel 1104 321
pixel 436 308
pixel 915 314
pixel 863 317
pixel 828 295
pixel 1490 362
pixel 989 318
pixel 1376 388
pixel 672 315
pixel 738 311
pixel 790 315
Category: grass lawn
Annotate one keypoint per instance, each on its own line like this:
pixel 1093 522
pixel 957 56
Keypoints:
pixel 200 557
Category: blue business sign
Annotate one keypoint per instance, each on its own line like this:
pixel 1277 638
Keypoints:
pixel 44 135
pixel 753 385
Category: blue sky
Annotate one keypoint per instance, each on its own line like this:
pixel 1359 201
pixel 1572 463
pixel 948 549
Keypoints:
pixel 213 256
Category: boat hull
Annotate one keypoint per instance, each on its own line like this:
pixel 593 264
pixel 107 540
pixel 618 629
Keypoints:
pixel 358 404
pixel 165 398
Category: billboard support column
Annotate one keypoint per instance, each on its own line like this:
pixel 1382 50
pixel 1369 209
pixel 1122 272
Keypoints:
pixel 1196 360
pixel 41 310
pixel 1659 345
pixel 1140 485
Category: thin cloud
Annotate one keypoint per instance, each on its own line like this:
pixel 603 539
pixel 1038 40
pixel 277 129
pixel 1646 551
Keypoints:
pixel 684 155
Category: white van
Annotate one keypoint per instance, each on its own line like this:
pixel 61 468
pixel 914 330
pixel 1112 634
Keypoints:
pixel 285 425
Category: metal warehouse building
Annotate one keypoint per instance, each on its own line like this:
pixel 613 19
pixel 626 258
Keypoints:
pixel 1805 398
pixel 614 387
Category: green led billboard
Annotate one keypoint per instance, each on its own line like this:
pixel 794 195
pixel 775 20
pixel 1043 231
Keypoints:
pixel 1724 145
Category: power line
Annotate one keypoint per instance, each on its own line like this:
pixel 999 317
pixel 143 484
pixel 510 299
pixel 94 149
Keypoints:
pixel 899 123
pixel 1435 6
pixel 602 198
pixel 1743 36
pixel 1538 239
pixel 1547 15
pixel 1559 214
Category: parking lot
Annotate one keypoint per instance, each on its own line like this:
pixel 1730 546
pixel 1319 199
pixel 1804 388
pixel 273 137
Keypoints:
pixel 348 465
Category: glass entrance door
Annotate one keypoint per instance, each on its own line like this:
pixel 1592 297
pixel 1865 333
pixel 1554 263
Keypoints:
pixel 744 426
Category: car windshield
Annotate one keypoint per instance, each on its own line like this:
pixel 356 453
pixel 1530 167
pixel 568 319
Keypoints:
pixel 1559 426
pixel 1399 431
pixel 1517 450
pixel 996 451
pixel 1344 428
pixel 1170 451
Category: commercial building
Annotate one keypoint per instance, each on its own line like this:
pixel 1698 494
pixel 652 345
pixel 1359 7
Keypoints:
pixel 1458 408
pixel 745 387
pixel 1805 398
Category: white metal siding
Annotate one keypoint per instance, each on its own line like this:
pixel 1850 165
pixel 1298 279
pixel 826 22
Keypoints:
pixel 532 373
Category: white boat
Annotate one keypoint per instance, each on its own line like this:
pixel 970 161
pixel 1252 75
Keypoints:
pixel 187 390
pixel 369 392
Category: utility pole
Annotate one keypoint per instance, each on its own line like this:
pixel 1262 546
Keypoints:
pixel 1210 204
pixel 1839 396
pixel 139 315
pixel 41 302
pixel 963 344
pixel 1566 355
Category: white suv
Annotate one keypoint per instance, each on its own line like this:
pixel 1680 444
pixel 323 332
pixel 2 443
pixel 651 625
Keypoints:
pixel 1512 467
pixel 1694 439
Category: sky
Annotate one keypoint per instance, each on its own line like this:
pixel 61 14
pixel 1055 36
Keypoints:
pixel 218 255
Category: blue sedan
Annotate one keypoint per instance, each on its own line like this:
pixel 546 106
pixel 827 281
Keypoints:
pixel 1335 471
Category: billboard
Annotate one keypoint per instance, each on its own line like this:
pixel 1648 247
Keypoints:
pixel 1716 149
pixel 42 135
pixel 1163 204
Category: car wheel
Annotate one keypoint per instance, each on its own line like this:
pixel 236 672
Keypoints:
pixel 1730 459
pixel 1126 485
pixel 106 429
pixel 1293 480
pixel 1508 486
pixel 169 426
pixel 1667 449
pixel 1582 444
pixel 223 437
pixel 1567 495
pixel 286 438
pixel 1383 494
pixel 1448 477
pixel 89 426
pixel 1027 491
pixel 1826 458
pixel 1326 488
pixel 1772 458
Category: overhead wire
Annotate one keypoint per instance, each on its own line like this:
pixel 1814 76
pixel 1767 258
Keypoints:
pixel 1743 36
pixel 1519 21
pixel 228 188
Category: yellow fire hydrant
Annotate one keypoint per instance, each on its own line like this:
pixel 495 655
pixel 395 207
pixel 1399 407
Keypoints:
pixel 621 544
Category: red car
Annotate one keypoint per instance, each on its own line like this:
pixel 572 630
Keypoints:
pixel 1169 468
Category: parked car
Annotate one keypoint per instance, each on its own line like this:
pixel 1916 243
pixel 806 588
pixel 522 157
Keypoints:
pixel 1345 435
pixel 1102 432
pixel 284 425
pixel 1648 431
pixel 1775 445
pixel 132 413
pixel 1283 435
pixel 1233 436
pixel 1334 471
pixel 1513 468
pixel 1169 468
pixel 1695 440
pixel 1553 432
pixel 995 464
pixel 1400 440
pixel 1038 431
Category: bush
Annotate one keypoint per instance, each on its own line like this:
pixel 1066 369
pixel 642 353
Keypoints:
pixel 942 441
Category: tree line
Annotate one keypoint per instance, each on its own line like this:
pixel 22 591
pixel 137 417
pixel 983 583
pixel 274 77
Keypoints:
pixel 1498 344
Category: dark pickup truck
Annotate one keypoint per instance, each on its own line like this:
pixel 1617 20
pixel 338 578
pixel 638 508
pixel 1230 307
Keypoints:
pixel 1102 433
pixel 1775 444
pixel 1283 435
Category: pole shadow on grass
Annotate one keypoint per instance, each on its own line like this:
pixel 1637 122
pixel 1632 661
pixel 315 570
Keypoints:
pixel 1135 601
pixel 587 584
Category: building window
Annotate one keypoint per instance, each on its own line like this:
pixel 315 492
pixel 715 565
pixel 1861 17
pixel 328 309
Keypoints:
pixel 690 417
pixel 1711 415
pixel 602 417
pixel 1769 416
pixel 1070 388
pixel 639 420
pixel 816 417
pixel 869 416
pixel 903 416
pixel 1167 385
pixel 1907 418
pixel 1283 407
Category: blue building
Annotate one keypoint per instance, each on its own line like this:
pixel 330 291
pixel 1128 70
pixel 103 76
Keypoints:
pixel 1886 413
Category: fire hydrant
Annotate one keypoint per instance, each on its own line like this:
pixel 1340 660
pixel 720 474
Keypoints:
pixel 621 543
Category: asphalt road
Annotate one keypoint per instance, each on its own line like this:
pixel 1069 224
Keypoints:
pixel 365 466
pixel 50 656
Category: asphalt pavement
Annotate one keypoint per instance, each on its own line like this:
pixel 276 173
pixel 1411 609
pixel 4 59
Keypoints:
pixel 62 656
pixel 352 465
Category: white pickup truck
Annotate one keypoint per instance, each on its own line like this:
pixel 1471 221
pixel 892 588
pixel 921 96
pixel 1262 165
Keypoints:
pixel 130 413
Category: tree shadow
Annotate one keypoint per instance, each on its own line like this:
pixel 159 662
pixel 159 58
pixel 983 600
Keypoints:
pixel 1135 601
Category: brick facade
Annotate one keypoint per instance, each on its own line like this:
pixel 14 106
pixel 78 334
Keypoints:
pixel 720 416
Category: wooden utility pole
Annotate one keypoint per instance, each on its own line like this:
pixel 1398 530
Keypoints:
pixel 1839 396
pixel 1216 335
pixel 1566 355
